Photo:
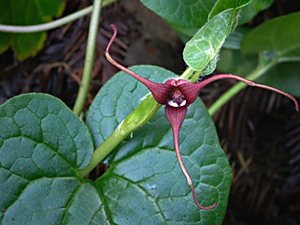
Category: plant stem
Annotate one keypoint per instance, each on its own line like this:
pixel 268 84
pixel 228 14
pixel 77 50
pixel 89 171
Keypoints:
pixel 51 25
pixel 104 149
pixel 195 77
pixel 187 73
pixel 133 121
pixel 223 99
pixel 89 58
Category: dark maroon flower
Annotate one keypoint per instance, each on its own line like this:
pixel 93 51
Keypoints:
pixel 177 95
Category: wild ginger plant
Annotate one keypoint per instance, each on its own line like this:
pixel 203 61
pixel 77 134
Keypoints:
pixel 46 150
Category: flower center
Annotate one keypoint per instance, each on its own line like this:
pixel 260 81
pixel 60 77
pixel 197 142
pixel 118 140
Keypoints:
pixel 176 98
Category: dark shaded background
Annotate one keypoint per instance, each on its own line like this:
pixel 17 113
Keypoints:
pixel 259 130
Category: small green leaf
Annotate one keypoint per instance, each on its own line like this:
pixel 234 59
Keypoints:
pixel 206 43
pixel 186 13
pixel 280 34
pixel 252 9
pixel 27 12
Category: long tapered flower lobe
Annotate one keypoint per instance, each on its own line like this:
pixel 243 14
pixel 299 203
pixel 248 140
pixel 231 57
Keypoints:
pixel 177 95
pixel 160 91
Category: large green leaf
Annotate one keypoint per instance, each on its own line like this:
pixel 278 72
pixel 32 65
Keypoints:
pixel 186 13
pixel 43 144
pixel 26 12
pixel 281 34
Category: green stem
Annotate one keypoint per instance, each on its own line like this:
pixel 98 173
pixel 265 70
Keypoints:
pixel 195 77
pixel 133 121
pixel 51 25
pixel 187 73
pixel 89 58
pixel 223 99
pixel 104 149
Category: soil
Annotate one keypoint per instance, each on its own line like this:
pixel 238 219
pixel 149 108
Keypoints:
pixel 258 130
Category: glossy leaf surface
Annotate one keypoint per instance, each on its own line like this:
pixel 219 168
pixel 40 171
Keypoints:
pixel 206 43
pixel 42 145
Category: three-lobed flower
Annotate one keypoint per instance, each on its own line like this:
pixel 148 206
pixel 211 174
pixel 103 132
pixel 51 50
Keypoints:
pixel 177 95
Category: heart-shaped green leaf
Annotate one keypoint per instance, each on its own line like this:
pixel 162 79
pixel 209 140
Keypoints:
pixel 185 13
pixel 39 137
pixel 27 12
pixel 280 34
